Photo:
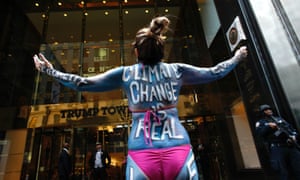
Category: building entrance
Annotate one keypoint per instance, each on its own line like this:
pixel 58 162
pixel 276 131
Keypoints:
pixel 113 138
pixel 46 144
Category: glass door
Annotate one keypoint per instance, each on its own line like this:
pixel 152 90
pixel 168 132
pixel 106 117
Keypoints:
pixel 113 139
pixel 42 152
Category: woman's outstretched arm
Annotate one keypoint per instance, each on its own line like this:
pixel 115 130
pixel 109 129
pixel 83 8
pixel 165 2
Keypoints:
pixel 200 75
pixel 111 79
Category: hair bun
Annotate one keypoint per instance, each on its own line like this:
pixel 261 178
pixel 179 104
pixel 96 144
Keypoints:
pixel 159 25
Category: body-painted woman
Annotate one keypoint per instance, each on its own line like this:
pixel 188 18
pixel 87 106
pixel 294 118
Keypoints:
pixel 158 146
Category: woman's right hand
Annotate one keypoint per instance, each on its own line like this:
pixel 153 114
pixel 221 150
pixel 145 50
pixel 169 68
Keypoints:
pixel 241 53
pixel 41 62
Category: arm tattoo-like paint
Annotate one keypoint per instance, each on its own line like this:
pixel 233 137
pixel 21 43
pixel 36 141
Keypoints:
pixel 78 80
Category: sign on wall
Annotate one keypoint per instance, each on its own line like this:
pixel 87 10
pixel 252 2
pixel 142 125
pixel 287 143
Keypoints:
pixel 235 34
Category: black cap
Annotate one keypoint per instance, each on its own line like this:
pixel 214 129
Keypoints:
pixel 264 107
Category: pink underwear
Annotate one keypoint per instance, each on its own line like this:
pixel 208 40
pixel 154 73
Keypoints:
pixel 163 163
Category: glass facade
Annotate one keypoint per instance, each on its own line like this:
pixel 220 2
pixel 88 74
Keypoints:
pixel 95 37
pixel 90 37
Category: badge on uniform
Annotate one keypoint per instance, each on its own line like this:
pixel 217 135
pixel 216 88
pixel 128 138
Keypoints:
pixel 257 124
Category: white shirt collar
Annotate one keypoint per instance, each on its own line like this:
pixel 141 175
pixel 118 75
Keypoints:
pixel 66 150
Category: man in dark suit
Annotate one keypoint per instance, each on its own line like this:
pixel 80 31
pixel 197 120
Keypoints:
pixel 64 163
pixel 99 161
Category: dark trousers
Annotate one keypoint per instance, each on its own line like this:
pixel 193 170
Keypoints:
pixel 99 174
pixel 286 161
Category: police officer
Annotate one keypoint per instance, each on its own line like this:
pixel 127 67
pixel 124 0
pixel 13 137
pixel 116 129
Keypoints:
pixel 281 140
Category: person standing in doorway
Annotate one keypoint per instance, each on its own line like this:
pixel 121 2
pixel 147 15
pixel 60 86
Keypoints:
pixel 64 163
pixel 159 147
pixel 281 139
pixel 99 162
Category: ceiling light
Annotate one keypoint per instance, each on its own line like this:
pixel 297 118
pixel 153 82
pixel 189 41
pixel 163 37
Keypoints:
pixel 82 2
pixel 104 2
pixel 65 14
pixel 146 11
pixel 147 0
pixel 106 13
pixel 43 15
pixel 59 3
pixel 125 1
pixel 37 4
pixel 166 10
pixel 126 12
pixel 86 13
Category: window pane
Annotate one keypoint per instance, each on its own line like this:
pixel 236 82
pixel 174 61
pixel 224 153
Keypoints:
pixel 62 49
pixel 64 27
pixel 101 49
